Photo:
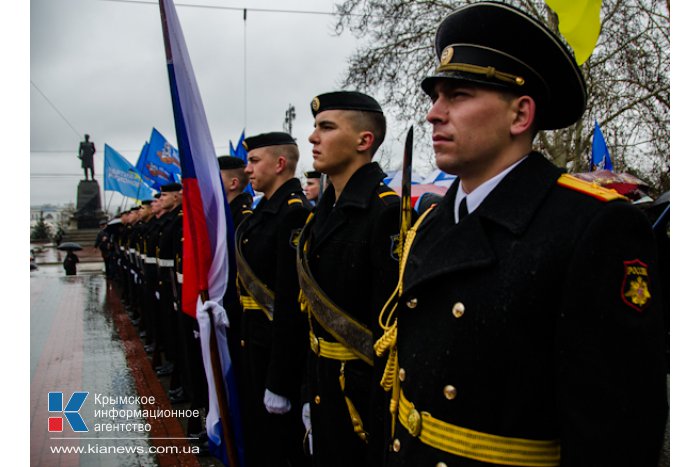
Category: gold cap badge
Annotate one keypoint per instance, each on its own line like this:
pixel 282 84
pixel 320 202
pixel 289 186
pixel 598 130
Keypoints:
pixel 315 104
pixel 447 55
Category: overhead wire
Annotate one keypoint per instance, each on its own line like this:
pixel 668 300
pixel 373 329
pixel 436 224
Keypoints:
pixel 55 108
pixel 186 5
pixel 234 8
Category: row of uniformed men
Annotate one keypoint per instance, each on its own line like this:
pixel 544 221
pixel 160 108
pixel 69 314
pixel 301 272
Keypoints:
pixel 526 325
pixel 147 253
pixel 525 328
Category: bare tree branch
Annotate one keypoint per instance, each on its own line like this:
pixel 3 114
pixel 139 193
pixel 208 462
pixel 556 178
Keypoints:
pixel 627 76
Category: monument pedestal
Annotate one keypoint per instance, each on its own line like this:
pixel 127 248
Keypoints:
pixel 88 211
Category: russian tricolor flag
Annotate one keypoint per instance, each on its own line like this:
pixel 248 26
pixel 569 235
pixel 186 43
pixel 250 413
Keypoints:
pixel 207 228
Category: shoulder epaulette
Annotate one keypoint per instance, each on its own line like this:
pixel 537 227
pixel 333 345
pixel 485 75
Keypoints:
pixel 384 192
pixel 308 219
pixel 588 188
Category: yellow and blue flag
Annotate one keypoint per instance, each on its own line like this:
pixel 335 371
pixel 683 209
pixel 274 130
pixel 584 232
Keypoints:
pixel 579 23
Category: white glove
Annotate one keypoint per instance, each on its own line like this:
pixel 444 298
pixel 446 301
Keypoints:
pixel 276 404
pixel 306 418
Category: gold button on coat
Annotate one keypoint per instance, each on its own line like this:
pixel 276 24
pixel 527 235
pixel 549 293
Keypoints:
pixel 440 464
pixel 458 309
pixel 402 374
pixel 396 446
pixel 450 392
pixel 317 400
pixel 412 303
pixel 242 343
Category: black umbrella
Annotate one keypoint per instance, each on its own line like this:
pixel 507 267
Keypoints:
pixel 69 246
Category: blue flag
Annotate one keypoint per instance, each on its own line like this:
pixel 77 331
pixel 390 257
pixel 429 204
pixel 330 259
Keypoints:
pixel 161 163
pixel 600 156
pixel 141 161
pixel 122 177
pixel 240 152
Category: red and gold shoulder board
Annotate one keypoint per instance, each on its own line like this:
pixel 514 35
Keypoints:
pixel 591 189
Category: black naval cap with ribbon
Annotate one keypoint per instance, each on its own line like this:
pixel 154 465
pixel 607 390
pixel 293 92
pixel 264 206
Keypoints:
pixel 275 138
pixel 344 100
pixel 170 187
pixel 230 162
pixel 312 174
pixel 496 45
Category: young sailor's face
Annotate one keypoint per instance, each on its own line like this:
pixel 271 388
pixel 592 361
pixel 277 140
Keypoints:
pixel 261 168
pixel 334 140
pixel 471 125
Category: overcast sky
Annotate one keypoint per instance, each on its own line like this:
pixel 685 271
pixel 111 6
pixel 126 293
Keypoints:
pixel 98 67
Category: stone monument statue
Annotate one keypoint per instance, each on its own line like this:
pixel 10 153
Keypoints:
pixel 85 153
pixel 88 206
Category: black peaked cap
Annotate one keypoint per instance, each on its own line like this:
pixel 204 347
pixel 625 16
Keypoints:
pixel 496 45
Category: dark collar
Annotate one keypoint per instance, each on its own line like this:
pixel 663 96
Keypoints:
pixel 241 200
pixel 360 188
pixel 513 202
pixel 279 197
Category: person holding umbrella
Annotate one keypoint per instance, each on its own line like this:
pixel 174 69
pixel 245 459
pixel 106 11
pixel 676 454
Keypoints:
pixel 69 264
pixel 71 260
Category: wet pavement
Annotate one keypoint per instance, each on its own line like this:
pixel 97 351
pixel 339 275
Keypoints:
pixel 83 340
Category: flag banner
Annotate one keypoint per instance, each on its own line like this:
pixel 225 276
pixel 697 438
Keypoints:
pixel 600 156
pixel 213 421
pixel 240 152
pixel 122 177
pixel 207 228
pixel 393 180
pixel 141 161
pixel 160 164
pixel 390 177
pixel 579 23
pixel 439 178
